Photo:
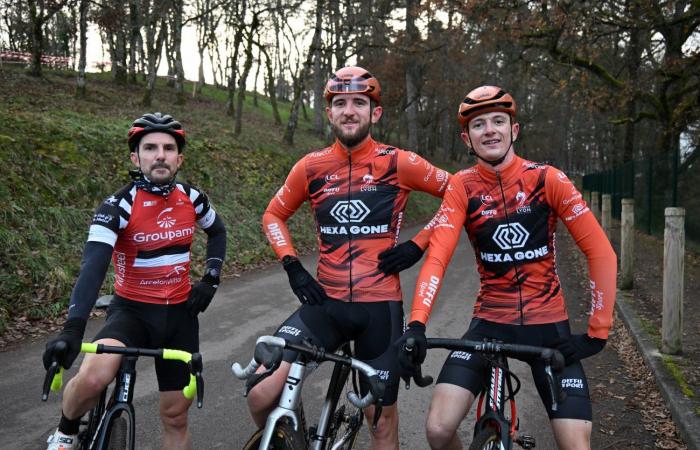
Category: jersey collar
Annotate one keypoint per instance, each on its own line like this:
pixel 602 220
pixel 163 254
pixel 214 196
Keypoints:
pixel 365 149
pixel 506 172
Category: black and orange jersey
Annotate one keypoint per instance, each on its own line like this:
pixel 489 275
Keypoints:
pixel 358 200
pixel 151 236
pixel 510 217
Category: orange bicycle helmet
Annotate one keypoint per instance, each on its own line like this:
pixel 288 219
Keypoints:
pixel 353 80
pixel 485 99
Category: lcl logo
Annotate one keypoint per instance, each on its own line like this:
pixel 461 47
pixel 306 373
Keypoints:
pixel 510 236
pixel 350 211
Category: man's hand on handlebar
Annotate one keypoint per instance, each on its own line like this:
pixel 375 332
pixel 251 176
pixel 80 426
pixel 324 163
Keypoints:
pixel 411 356
pixel 580 346
pixel 72 336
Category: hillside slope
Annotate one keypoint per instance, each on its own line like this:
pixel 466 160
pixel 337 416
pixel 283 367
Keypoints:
pixel 62 156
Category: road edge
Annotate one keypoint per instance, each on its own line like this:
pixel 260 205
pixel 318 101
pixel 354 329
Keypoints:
pixel 682 408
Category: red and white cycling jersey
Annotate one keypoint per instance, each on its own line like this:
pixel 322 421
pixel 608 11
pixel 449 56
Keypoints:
pixel 358 200
pixel 151 235
pixel 511 218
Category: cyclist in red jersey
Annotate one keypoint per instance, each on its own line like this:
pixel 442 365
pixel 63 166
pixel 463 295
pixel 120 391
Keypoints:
pixel 509 208
pixel 357 189
pixel 146 229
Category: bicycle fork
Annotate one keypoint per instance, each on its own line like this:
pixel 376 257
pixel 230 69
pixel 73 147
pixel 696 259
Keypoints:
pixel 119 403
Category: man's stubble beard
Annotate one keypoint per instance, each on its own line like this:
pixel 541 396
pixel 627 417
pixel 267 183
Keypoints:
pixel 352 140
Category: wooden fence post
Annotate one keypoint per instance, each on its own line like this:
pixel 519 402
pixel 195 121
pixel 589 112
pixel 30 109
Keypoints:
pixel 674 268
pixel 606 214
pixel 595 204
pixel 627 244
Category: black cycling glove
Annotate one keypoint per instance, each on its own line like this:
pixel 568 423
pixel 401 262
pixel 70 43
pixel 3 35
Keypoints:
pixel 72 335
pixel 304 286
pixel 398 258
pixel 202 293
pixel 580 346
pixel 409 360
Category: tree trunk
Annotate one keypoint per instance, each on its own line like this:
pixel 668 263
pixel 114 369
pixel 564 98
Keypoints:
pixel 299 85
pixel 271 87
pixel 80 83
pixel 177 44
pixel 238 38
pixel 244 75
pixel 411 77
pixel 37 24
pixel 154 50
pixel 134 38
pixel 255 79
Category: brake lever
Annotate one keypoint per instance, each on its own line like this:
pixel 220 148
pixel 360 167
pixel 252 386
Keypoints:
pixel 196 367
pixel 417 374
pixel 257 378
pixel 53 379
pixel 377 414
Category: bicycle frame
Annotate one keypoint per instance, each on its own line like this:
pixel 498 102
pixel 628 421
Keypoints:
pixel 492 403
pixel 290 405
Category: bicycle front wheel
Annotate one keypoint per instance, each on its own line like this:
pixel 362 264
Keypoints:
pixel 118 434
pixel 283 438
pixel 486 439
pixel 347 418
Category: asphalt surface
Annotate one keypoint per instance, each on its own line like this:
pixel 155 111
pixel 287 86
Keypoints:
pixel 245 308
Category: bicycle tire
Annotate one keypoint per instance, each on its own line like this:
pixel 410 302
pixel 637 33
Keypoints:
pixel 117 434
pixel 345 426
pixel 283 438
pixel 347 418
pixel 487 439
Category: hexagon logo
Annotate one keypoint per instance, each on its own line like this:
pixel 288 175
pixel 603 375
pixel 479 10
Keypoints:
pixel 510 236
pixel 346 211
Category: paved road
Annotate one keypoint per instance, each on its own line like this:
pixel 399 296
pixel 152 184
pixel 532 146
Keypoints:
pixel 245 308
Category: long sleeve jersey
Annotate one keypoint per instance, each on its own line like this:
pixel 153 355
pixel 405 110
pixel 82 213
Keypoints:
pixel 510 218
pixel 357 199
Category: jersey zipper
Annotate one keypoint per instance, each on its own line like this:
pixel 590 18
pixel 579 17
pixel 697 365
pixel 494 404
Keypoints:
pixel 349 227
pixel 518 282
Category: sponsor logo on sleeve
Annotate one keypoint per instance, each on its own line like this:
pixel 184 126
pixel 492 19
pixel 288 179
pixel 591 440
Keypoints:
pixel 102 218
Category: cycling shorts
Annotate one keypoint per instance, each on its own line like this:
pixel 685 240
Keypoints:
pixel 374 327
pixel 149 325
pixel 467 370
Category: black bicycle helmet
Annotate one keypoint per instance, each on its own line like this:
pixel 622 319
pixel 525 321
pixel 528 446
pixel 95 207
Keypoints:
pixel 156 122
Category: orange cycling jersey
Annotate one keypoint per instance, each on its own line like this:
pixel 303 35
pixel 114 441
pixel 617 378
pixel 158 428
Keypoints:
pixel 510 217
pixel 357 199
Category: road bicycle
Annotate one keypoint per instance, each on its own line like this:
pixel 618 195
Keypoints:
pixel 495 428
pixel 339 421
pixel 111 424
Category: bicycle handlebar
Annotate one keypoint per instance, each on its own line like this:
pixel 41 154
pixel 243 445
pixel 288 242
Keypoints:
pixel 264 356
pixel 553 359
pixel 54 375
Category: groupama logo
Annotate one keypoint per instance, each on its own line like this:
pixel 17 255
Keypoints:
pixel 165 219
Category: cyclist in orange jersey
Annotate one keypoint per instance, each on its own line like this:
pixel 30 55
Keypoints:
pixel 509 208
pixel 357 189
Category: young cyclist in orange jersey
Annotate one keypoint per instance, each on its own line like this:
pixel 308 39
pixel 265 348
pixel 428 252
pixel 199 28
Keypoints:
pixel 509 208
pixel 357 190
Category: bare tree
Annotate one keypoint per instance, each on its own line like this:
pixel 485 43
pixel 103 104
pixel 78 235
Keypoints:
pixel 299 85
pixel 40 11
pixel 80 83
